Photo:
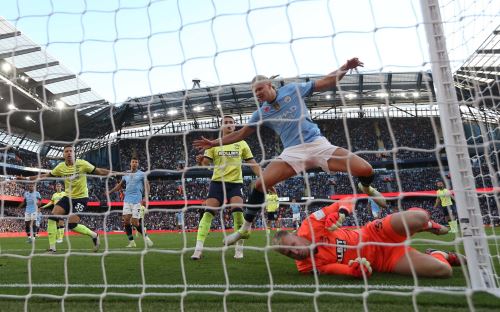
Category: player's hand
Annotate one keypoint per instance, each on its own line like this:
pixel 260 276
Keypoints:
pixel 360 265
pixel 334 221
pixel 203 143
pixel 199 159
pixel 353 64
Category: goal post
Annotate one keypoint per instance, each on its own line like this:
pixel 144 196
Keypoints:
pixel 474 237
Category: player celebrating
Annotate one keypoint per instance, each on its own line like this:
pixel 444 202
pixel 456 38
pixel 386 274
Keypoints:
pixel 74 171
pixel 136 191
pixel 285 112
pixel 273 204
pixel 295 214
pixel 445 200
pixel 338 250
pixel 226 183
pixel 31 200
pixel 56 197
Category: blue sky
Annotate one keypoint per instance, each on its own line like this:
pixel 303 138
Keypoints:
pixel 132 48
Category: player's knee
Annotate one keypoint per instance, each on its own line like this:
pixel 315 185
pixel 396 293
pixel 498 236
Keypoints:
pixel 417 217
pixel 443 270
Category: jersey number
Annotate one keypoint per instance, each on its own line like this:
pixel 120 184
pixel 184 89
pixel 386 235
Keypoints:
pixel 79 207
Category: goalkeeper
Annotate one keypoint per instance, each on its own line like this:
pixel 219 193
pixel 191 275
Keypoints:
pixel 344 251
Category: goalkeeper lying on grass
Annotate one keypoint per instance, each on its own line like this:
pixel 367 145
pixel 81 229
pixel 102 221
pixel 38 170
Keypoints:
pixel 377 246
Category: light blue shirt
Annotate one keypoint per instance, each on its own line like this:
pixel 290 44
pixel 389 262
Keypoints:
pixel 31 199
pixel 291 120
pixel 180 217
pixel 134 189
pixel 295 208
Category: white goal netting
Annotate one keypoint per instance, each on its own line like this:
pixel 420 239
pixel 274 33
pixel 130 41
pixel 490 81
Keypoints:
pixel 145 79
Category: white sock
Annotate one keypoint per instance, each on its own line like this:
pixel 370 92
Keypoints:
pixel 199 245
pixel 53 247
pixel 246 226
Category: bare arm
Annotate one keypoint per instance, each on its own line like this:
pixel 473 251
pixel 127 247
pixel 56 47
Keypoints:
pixel 234 137
pixel 330 81
pixel 147 189
pixel 254 166
pixel 32 178
pixel 21 205
pixel 103 172
pixel 117 187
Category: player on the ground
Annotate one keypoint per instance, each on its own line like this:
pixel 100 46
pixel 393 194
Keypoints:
pixel 74 172
pixel 136 192
pixel 295 214
pixel 285 112
pixel 337 250
pixel 272 207
pixel 56 197
pixel 31 200
pixel 226 184
pixel 444 199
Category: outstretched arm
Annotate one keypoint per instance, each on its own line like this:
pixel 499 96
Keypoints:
pixel 330 81
pixel 356 268
pixel 117 187
pixel 234 137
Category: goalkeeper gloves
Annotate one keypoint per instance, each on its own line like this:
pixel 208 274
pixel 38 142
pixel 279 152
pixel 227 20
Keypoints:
pixel 360 265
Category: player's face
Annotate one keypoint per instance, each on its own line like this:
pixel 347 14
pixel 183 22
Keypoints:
pixel 296 247
pixel 69 154
pixel 58 187
pixel 228 125
pixel 264 92
pixel 440 185
pixel 31 187
pixel 134 164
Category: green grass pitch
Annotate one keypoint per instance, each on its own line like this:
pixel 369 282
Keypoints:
pixel 178 283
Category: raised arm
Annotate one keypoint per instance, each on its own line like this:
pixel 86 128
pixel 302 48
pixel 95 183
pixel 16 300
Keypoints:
pixel 254 166
pixel 48 205
pixel 234 137
pixel 330 81
pixel 35 177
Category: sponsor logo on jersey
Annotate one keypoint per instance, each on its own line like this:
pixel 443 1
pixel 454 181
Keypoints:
pixel 340 249
pixel 229 153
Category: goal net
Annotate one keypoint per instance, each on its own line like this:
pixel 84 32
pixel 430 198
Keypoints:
pixel 144 80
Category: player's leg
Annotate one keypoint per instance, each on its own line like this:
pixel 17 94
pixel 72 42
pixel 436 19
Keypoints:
pixel 414 220
pixel 450 219
pixel 277 171
pixel 127 226
pixel 58 211
pixel 343 160
pixel 60 231
pixel 79 205
pixel 237 214
pixel 424 265
pixel 136 215
pixel 205 224
pixel 27 227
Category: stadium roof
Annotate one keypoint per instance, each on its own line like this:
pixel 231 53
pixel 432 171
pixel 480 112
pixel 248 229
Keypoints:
pixel 355 90
pixel 478 79
pixel 39 95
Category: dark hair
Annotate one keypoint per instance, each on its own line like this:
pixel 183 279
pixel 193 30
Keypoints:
pixel 134 158
pixel 229 116
pixel 68 145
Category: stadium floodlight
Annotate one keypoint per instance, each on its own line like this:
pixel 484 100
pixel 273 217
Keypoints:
pixel 218 106
pixel 155 115
pixel 11 106
pixel 6 67
pixel 172 112
pixel 145 116
pixel 198 108
pixel 60 104
pixel 383 94
pixel 28 118
pixel 351 96
pixel 328 96
pixel 416 94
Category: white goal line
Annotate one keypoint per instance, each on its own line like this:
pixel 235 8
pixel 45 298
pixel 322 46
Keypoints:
pixel 243 286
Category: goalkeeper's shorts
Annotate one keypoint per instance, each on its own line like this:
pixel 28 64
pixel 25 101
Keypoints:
pixel 383 258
